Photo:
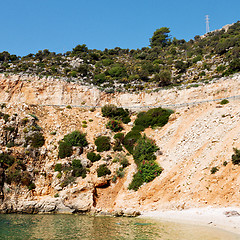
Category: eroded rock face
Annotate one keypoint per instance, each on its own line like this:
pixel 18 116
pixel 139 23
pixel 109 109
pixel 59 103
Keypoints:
pixel 195 139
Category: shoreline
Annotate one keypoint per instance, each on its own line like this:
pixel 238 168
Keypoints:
pixel 208 217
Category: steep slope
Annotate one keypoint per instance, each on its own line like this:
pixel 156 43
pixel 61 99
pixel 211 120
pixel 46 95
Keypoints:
pixel 197 138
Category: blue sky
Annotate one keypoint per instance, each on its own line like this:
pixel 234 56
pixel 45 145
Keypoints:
pixel 59 25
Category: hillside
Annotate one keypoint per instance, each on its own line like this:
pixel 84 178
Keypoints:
pixel 166 62
pixel 196 138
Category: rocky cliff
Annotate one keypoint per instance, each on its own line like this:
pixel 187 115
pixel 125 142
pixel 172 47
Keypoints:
pixel 197 138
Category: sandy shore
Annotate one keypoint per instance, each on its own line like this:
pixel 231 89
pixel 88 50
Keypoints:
pixel 212 217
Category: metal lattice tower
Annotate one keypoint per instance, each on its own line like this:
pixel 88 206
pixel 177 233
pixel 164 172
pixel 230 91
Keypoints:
pixel 207 24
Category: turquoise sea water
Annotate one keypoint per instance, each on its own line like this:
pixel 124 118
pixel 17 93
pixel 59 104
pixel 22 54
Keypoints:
pixel 49 227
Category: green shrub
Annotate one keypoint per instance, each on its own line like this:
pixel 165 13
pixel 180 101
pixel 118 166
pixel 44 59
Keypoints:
pixel 67 180
pixel 124 162
pixel 24 121
pixel 164 78
pixel 10 144
pixel 103 170
pixel 64 149
pixel 36 140
pixel 59 175
pixel 117 146
pixel 58 167
pixel 6 117
pixel 56 195
pixel 136 182
pixel 78 169
pixel 236 156
pixel 53 133
pixel 225 163
pixel 93 157
pixel 156 117
pixel 6 160
pixel 114 179
pixel 221 68
pixel 84 125
pixel 114 125
pixel 68 107
pixel 214 170
pixel 90 120
pixel 120 173
pixel 76 139
pixel 148 170
pixel 197 58
pixel 84 122
pixel 103 144
pixel 130 140
pixel 31 186
pixel 224 101
pixel 119 136
pixel 138 128
pixel 111 111
pixel 144 150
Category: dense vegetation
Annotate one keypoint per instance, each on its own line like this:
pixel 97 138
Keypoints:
pixel 142 148
pixel 167 61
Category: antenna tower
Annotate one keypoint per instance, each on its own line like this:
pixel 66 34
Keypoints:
pixel 207 24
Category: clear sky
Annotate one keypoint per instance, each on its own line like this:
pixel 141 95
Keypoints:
pixel 59 25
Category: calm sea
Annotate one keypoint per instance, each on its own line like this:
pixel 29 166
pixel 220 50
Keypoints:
pixel 49 227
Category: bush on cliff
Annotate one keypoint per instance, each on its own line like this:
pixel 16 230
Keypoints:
pixel 78 169
pixel 114 125
pixel 36 140
pixel 130 140
pixel 103 144
pixel 156 117
pixel 64 149
pixel 76 139
pixel 93 157
pixel 236 156
pixel 111 111
pixel 103 170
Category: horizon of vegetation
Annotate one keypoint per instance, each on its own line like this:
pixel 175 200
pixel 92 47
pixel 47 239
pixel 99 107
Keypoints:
pixel 167 61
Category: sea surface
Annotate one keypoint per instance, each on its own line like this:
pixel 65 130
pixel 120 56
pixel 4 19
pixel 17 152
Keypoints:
pixel 16 226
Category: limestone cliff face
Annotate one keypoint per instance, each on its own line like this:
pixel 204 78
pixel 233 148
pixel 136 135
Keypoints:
pixel 197 138
pixel 32 90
